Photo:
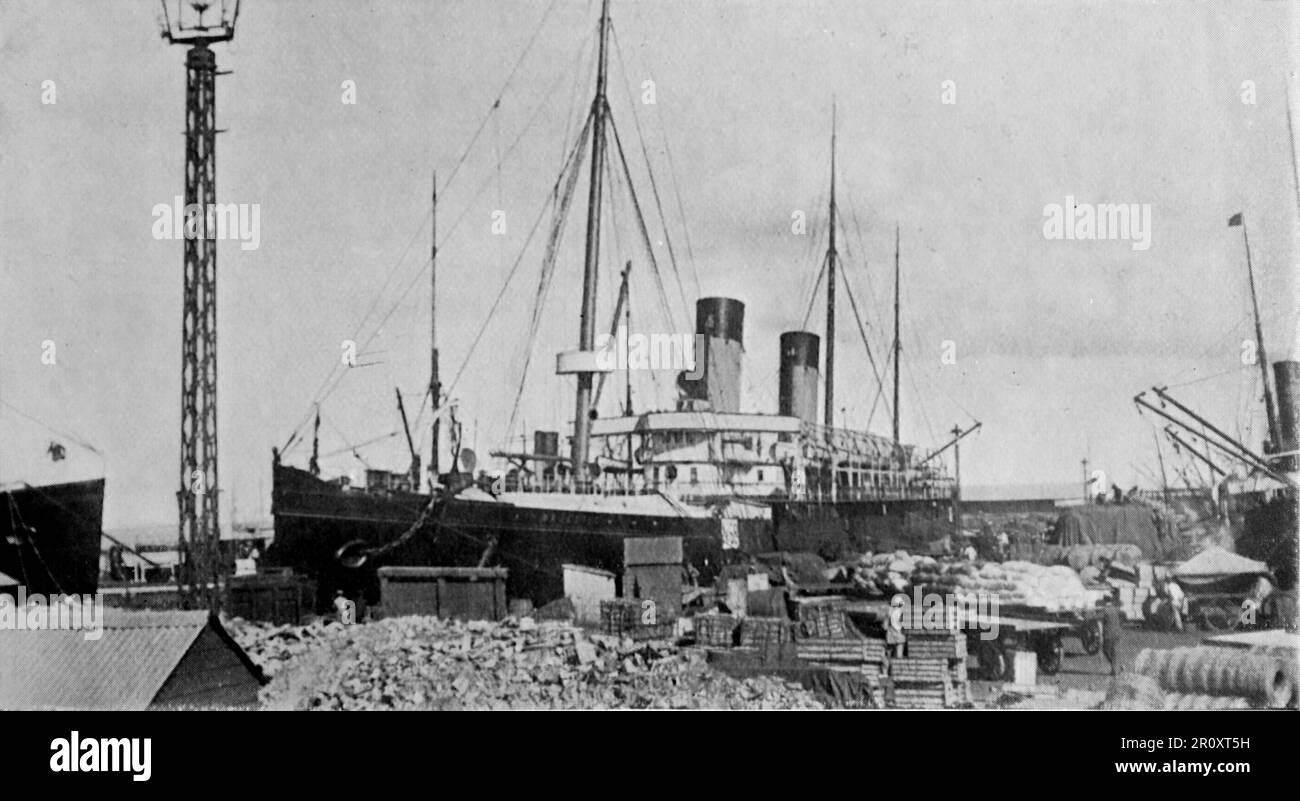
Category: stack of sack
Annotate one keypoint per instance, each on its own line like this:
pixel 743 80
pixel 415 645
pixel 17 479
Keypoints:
pixel 1056 588
pixel 889 573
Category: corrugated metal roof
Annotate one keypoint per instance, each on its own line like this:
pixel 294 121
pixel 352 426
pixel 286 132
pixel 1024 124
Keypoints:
pixel 124 669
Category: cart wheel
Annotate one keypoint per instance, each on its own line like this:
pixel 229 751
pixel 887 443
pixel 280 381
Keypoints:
pixel 994 665
pixel 1049 657
pixel 1090 637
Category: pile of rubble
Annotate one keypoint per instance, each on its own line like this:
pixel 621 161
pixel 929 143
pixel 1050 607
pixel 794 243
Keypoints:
pixel 427 663
pixel 271 646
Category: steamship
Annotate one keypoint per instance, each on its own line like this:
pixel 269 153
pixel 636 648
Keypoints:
pixel 729 483
pixel 50 536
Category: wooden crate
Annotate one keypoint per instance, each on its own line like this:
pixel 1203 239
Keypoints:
pixel 850 651
pixel 929 644
pixel 718 631
pixel 920 696
pixel 920 671
pixel 761 632
pixel 657 631
pixel 823 619
pixel 620 616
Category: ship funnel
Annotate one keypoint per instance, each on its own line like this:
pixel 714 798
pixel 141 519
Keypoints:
pixel 1286 375
pixel 719 351
pixel 799 375
pixel 546 443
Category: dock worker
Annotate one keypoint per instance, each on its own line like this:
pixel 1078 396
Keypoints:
pixel 1177 602
pixel 895 639
pixel 1112 634
pixel 344 608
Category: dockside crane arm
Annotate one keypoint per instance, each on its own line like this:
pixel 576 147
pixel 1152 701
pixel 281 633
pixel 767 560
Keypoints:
pixel 951 442
pixel 1229 446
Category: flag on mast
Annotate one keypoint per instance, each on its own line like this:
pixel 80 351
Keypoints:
pixel 1234 220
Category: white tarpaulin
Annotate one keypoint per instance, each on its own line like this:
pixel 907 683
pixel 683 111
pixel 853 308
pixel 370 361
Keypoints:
pixel 1219 562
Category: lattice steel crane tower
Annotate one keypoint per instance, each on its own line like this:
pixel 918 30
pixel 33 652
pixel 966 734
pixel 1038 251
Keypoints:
pixel 197 25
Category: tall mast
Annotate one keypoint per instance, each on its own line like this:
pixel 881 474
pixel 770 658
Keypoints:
pixel 587 330
pixel 829 413
pixel 1259 338
pixel 435 385
pixel 897 343
pixel 626 302
pixel 1290 129
pixel 956 469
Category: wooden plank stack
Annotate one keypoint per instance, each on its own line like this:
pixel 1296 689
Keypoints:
pixel 929 644
pixel 867 656
pixel 933 675
pixel 922 696
pixel 920 684
pixel 843 650
pixel 919 671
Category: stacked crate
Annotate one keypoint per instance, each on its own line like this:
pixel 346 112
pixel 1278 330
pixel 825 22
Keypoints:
pixel 933 675
pixel 823 619
pixel 621 617
pixel 765 632
pixel 867 656
pixel 716 630
pixel 920 684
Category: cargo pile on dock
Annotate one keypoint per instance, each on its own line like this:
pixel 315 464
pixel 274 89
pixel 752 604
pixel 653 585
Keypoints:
pixel 426 663
pixel 1053 588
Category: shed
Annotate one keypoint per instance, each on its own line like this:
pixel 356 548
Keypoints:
pixel 462 593
pixel 652 569
pixel 586 587
pixel 141 660
pixel 280 598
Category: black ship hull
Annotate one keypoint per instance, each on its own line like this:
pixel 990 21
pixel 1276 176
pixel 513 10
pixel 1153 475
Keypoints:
pixel 1271 534
pixel 50 536
pixel 314 518
pixel 834 528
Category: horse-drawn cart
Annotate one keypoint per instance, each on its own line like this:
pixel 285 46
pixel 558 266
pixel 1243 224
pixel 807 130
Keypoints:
pixel 1224 590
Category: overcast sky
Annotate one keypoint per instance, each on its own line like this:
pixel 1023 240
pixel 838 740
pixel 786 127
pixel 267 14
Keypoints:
pixel 1121 102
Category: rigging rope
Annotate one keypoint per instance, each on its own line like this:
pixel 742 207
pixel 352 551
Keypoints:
pixel 654 187
pixel 71 437
pixel 559 216
pixel 812 299
pixel 862 328
pixel 513 270
pixel 641 226
pixel 380 327
pixel 543 104
pixel 496 104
